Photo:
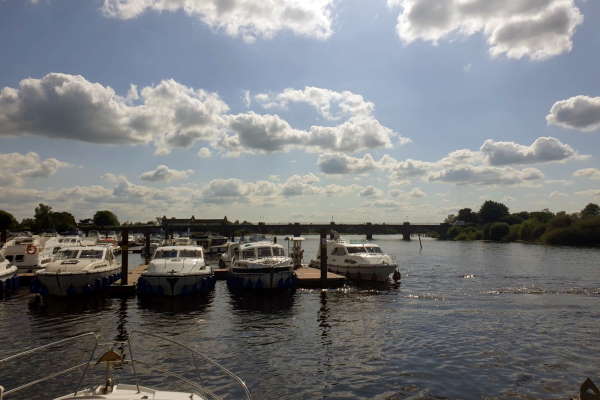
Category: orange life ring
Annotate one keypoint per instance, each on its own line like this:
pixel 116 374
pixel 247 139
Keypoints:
pixel 31 249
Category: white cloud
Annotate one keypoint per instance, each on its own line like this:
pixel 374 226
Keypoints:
pixel 336 163
pixel 416 193
pixel 162 173
pixel 580 112
pixel 204 152
pixel 536 29
pixel 486 175
pixel 330 104
pixel 543 149
pixel 248 19
pixel 592 173
pixel 371 192
pixel 70 107
pixel 589 193
pixel 557 195
pixel 16 167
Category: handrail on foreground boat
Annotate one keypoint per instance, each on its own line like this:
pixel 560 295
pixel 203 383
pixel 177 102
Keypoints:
pixel 133 361
pixel 236 378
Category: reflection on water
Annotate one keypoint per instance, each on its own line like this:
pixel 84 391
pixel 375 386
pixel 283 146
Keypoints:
pixel 468 321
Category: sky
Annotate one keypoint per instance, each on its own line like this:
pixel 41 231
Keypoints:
pixel 298 110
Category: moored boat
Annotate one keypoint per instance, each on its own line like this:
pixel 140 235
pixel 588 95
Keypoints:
pixel 261 265
pixel 8 276
pixel 359 261
pixel 175 271
pixel 79 270
pixel 24 252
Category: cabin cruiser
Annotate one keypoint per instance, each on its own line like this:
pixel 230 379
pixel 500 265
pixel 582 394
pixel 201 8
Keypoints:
pixel 114 360
pixel 24 252
pixel 230 250
pixel 79 270
pixel 175 271
pixel 54 244
pixel 8 273
pixel 261 265
pixel 359 261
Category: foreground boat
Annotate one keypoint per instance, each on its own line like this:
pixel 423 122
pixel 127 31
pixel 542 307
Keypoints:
pixel 118 355
pixel 261 265
pixel 358 261
pixel 176 271
pixel 78 270
pixel 8 276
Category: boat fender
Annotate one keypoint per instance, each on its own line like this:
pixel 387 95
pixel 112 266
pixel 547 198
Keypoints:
pixel 31 249
pixel 71 291
pixel 87 289
pixel 248 284
pixel 43 290
pixel 105 281
pixel 97 283
pixel 259 284
pixel 396 276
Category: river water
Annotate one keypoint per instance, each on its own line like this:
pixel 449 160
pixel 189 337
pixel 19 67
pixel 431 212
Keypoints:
pixel 470 320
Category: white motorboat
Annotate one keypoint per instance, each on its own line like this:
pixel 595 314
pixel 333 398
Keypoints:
pixel 117 357
pixel 358 261
pixel 175 271
pixel 54 244
pixel 24 252
pixel 261 265
pixel 79 270
pixel 8 275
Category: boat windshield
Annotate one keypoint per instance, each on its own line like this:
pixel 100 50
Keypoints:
pixel 65 254
pixel 374 250
pixel 248 254
pixel 166 254
pixel 190 253
pixel 264 252
pixel 278 252
pixel 91 253
pixel 356 250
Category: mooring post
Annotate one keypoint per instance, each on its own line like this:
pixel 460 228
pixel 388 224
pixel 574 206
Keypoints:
pixel 124 256
pixel 275 239
pixel 3 236
pixel 331 235
pixel 147 254
pixel 323 258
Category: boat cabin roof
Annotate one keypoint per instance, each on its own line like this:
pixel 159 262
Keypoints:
pixel 245 246
pixel 180 247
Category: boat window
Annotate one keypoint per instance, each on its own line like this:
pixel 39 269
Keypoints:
pixel 64 254
pixel 338 251
pixel 9 258
pixel 264 252
pixel 91 253
pixel 375 250
pixel 278 252
pixel 190 253
pixel 250 253
pixel 55 250
pixel 355 250
pixel 166 254
pixel 19 258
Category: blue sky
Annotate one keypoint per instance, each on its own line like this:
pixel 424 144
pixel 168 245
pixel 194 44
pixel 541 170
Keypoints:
pixel 304 111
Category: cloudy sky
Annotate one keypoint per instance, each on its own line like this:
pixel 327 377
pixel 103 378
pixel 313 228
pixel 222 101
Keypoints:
pixel 298 110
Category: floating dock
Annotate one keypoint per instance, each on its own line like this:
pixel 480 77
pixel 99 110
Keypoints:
pixel 310 278
pixel 116 289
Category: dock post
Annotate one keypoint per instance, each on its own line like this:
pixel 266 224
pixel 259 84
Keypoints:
pixel 124 256
pixel 323 258
pixel 3 236
pixel 275 239
pixel 147 255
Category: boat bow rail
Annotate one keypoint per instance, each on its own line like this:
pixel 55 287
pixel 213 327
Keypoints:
pixel 124 347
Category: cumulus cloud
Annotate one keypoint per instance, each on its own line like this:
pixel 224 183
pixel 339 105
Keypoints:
pixel 248 19
pixel 592 173
pixel 580 112
pixel 330 104
pixel 162 173
pixel 17 167
pixel 204 152
pixel 336 163
pixel 589 193
pixel 371 191
pixel 543 149
pixel 486 175
pixel 70 107
pixel 537 29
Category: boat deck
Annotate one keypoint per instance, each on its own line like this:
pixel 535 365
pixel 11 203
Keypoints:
pixel 310 278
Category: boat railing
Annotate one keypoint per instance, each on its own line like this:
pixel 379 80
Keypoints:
pixel 132 361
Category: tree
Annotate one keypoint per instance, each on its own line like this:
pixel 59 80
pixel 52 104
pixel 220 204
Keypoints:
pixel 492 211
pixel 105 218
pixel 467 216
pixel 42 217
pixel 7 221
pixel 63 221
pixel 498 230
pixel 591 210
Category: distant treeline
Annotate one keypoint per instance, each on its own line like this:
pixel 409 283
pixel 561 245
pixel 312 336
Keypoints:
pixel 495 222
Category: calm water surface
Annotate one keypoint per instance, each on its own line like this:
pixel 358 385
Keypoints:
pixel 469 321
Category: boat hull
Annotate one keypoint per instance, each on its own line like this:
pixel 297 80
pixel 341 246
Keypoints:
pixel 69 284
pixel 265 278
pixel 364 272
pixel 175 284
